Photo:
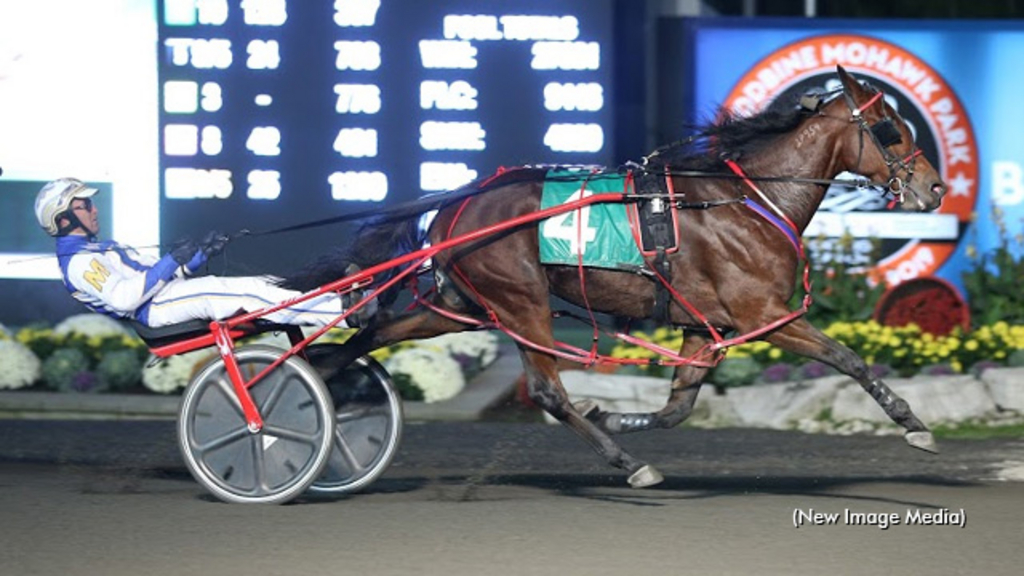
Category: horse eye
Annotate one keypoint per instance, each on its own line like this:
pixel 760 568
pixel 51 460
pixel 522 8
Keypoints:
pixel 886 133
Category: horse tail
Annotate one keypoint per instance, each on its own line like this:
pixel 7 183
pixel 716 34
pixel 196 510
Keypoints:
pixel 375 242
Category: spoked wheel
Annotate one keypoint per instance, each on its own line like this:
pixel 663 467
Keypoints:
pixel 279 462
pixel 368 429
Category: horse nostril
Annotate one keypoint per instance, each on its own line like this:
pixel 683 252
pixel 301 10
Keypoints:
pixel 939 189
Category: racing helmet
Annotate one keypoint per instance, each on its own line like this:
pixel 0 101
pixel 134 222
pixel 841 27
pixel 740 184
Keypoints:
pixel 55 198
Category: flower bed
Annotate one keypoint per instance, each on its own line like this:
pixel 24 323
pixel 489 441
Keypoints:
pixel 901 351
pixel 91 353
pixel 85 353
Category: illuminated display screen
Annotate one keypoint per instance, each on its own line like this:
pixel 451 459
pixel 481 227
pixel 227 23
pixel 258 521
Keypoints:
pixel 76 105
pixel 274 112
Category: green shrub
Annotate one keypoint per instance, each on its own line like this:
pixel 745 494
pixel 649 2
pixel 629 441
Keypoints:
pixel 732 372
pixel 993 284
pixel 407 389
pixel 841 291
pixel 119 370
pixel 67 370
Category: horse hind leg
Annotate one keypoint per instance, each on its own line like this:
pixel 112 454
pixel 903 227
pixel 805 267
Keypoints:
pixel 515 289
pixel 686 384
pixel 802 338
pixel 545 389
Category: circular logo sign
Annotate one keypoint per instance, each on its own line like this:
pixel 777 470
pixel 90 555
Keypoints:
pixel 912 244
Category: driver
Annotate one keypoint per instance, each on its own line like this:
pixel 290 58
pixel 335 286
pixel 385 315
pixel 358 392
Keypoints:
pixel 118 281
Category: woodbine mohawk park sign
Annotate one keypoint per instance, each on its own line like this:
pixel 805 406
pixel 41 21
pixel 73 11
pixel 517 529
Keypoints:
pixel 913 244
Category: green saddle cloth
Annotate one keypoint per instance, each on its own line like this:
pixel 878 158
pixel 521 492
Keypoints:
pixel 601 233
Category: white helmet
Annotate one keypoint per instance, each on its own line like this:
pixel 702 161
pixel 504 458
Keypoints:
pixel 55 198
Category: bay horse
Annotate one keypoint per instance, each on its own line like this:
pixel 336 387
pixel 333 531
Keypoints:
pixel 734 267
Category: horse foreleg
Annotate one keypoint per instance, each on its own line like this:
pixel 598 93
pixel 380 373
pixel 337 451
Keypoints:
pixel 686 384
pixel 802 338
pixel 545 389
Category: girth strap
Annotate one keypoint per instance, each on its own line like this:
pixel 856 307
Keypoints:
pixel 657 234
pixel 661 295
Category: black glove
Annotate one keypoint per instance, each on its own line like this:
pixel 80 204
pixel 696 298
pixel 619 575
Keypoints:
pixel 213 243
pixel 183 250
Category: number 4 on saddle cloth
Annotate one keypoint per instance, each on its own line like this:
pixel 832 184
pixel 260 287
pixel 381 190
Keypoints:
pixel 611 235
pixel 606 235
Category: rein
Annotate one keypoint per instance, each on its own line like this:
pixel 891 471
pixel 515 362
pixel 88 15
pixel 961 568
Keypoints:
pixel 854 183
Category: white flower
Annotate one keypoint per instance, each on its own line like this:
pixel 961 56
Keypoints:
pixel 5 334
pixel 172 374
pixel 438 375
pixel 20 365
pixel 91 325
pixel 481 345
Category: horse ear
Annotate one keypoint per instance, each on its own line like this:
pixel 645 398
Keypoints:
pixel 851 85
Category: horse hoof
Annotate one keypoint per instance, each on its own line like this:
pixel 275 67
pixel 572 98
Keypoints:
pixel 646 476
pixel 585 407
pixel 922 441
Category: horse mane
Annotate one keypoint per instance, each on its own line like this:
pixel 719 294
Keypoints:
pixel 731 135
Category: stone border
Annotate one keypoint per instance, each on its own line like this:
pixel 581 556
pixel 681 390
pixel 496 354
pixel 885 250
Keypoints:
pixel 997 396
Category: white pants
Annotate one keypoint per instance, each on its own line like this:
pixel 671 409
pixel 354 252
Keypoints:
pixel 216 298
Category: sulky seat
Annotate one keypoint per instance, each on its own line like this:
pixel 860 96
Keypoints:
pixel 164 335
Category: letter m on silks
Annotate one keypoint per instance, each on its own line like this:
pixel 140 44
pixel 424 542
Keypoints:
pixel 97 275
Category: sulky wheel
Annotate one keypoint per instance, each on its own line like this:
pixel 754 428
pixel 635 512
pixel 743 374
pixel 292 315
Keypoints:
pixel 368 412
pixel 275 464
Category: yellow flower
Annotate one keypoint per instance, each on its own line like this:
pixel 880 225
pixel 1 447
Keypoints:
pixel 674 343
pixel 381 354
pixel 759 346
pixel 971 344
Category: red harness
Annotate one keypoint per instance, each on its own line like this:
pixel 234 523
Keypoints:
pixel 707 356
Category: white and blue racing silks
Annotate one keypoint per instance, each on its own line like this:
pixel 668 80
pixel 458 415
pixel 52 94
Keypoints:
pixel 114 279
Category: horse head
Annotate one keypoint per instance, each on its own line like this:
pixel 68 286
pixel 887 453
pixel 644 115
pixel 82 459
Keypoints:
pixel 879 145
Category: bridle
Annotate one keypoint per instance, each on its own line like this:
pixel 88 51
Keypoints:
pixel 884 134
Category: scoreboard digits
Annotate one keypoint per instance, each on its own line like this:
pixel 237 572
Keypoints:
pixel 312 105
